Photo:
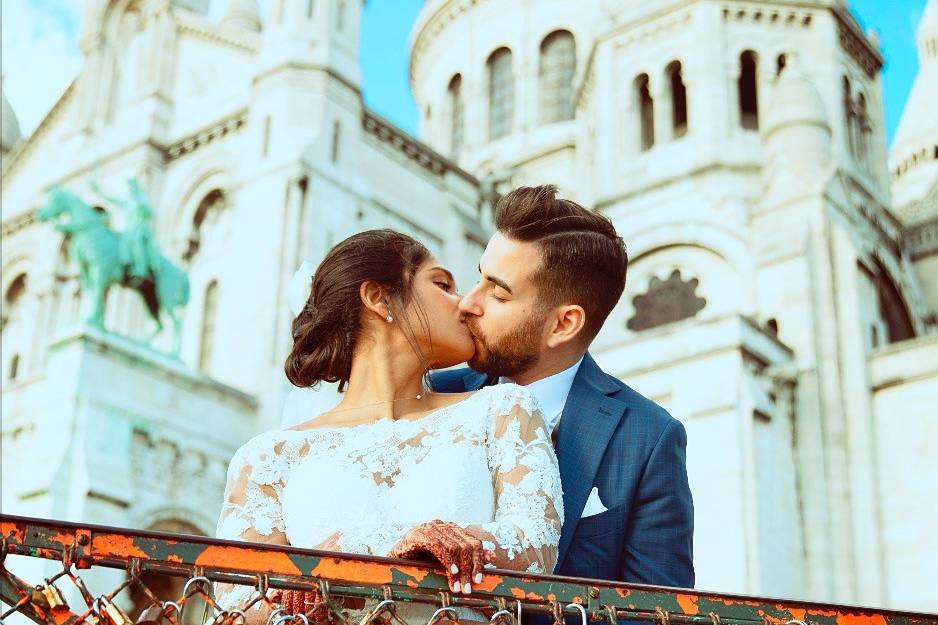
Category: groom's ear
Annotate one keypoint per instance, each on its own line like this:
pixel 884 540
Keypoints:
pixel 374 298
pixel 568 324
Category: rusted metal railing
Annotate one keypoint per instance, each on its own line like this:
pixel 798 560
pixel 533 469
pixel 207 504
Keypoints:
pixel 507 597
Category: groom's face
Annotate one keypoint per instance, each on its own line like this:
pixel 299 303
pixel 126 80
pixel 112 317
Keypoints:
pixel 502 311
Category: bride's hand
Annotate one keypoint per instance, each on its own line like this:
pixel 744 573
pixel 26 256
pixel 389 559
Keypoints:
pixel 306 602
pixel 460 553
pixel 331 543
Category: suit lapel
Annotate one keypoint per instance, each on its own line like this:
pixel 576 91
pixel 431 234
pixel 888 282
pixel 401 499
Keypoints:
pixel 589 419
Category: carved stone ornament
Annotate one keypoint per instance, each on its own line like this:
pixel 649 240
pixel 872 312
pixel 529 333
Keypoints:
pixel 666 301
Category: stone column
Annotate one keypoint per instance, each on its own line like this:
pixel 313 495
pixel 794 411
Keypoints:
pixel 826 313
pixel 858 412
pixel 661 104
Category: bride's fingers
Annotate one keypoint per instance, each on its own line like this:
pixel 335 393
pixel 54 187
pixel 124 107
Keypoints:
pixel 288 601
pixel 478 561
pixel 454 566
pixel 466 566
pixel 331 543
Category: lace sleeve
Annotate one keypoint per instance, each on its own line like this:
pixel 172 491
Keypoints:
pixel 251 510
pixel 528 495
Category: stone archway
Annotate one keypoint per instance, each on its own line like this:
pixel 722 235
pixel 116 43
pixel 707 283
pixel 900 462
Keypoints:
pixel 168 587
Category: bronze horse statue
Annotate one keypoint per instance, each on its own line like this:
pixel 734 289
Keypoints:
pixel 103 260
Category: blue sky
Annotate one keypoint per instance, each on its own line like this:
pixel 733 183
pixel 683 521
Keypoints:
pixel 40 55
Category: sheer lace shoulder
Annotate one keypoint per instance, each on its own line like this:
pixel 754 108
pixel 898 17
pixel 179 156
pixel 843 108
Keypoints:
pixel 529 499
pixel 257 474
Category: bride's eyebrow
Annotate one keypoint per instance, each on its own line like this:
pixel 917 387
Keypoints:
pixel 446 271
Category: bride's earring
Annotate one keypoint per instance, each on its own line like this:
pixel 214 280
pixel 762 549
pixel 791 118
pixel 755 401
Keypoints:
pixel 390 319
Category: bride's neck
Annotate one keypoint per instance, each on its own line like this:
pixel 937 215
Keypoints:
pixel 385 380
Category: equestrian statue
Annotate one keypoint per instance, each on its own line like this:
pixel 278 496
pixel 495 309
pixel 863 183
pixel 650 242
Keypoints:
pixel 129 258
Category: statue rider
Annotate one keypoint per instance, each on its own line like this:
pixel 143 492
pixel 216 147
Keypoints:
pixel 138 249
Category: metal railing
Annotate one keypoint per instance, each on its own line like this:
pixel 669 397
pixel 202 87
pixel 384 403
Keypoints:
pixel 505 597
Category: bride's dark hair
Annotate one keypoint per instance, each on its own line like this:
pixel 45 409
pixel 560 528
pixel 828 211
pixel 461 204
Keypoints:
pixel 327 329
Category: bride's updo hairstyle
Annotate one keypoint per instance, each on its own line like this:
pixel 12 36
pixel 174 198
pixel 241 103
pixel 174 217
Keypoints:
pixel 328 328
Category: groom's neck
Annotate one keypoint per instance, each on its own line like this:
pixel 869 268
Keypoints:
pixel 548 365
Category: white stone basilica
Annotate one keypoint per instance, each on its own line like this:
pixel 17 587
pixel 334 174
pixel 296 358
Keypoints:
pixel 782 298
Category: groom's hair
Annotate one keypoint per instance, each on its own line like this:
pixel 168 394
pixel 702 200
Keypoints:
pixel 583 259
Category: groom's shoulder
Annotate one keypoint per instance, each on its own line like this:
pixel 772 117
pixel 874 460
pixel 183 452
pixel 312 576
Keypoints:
pixel 643 412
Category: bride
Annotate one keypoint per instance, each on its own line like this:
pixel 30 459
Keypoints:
pixel 394 469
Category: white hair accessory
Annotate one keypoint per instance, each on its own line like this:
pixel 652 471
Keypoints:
pixel 300 286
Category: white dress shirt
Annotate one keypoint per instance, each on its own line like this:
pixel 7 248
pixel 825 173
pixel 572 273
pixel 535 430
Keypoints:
pixel 551 393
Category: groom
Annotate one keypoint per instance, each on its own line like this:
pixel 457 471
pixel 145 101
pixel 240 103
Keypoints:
pixel 550 276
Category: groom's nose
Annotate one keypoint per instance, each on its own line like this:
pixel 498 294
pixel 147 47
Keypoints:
pixel 470 303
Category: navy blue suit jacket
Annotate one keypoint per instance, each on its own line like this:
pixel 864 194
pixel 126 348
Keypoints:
pixel 612 438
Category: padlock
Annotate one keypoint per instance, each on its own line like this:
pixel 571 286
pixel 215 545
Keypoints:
pixel 113 613
pixel 38 598
pixel 54 597
pixel 153 615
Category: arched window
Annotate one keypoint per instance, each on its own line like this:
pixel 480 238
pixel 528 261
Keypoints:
pixel 340 11
pixel 678 100
pixel 336 136
pixel 207 341
pixel 15 291
pixel 501 93
pixel 780 64
pixel 646 112
pixel 893 314
pixel 864 130
pixel 206 214
pixel 748 91
pixel 12 297
pixel 454 91
pixel 555 76
pixel 14 367
pixel 849 116
pixel 310 9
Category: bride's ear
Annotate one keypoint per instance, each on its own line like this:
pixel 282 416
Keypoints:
pixel 374 299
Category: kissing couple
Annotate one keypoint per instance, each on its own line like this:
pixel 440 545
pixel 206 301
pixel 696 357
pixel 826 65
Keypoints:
pixel 531 459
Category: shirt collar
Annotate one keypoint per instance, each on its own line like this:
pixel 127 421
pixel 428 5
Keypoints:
pixel 551 392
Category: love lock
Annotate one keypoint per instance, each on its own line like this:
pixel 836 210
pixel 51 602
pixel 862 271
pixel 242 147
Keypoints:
pixel 112 612
pixel 54 597
pixel 153 615
pixel 38 598
pixel 446 612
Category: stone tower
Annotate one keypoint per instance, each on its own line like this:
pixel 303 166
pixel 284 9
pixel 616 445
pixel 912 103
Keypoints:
pixel 740 150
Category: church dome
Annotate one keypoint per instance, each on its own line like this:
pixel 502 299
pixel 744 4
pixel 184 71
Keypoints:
pixel 918 120
pixel 796 127
pixel 914 153
pixel 795 101
pixel 10 133
pixel 242 15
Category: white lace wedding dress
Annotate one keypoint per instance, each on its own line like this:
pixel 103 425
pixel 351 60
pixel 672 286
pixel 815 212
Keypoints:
pixel 485 462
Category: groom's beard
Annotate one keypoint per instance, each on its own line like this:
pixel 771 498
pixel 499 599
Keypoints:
pixel 508 355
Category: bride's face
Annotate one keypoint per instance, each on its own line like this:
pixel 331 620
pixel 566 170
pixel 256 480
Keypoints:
pixel 434 315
